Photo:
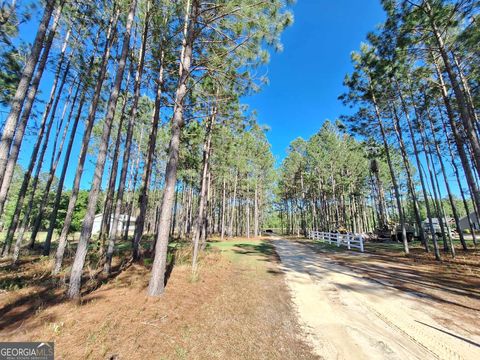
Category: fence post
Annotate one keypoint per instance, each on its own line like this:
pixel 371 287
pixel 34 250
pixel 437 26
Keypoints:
pixel 346 239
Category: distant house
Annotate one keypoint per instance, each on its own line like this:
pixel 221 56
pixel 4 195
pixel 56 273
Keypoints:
pixel 122 222
pixel 436 224
pixel 464 222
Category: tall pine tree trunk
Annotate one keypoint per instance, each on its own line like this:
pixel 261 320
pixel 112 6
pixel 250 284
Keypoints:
pixel 447 184
pixel 62 241
pixel 199 221
pixel 11 122
pixel 128 146
pixel 392 175
pixel 475 192
pixel 224 210
pixel 133 186
pixel 233 204
pixel 255 211
pixel 411 184
pixel 422 179
pixel 56 154
pixel 432 175
pixel 82 248
pixel 35 159
pixel 460 98
pixel 157 281
pixel 109 197
pixel 27 108
pixel 459 182
pixel 43 150
pixel 61 181
pixel 147 170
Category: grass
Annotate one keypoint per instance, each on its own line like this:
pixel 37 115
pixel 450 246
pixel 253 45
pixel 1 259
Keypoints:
pixel 246 252
pixel 230 247
pixel 239 308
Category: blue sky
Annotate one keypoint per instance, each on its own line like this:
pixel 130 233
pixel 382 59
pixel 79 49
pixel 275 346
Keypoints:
pixel 306 78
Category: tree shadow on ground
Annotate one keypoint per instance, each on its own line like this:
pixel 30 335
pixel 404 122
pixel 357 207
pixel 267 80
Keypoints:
pixel 263 251
pixel 263 248
pixel 422 280
pixel 48 293
pixel 449 333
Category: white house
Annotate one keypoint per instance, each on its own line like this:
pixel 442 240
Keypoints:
pixel 436 224
pixel 464 222
pixel 122 222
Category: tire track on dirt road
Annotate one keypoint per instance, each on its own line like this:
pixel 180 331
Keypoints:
pixel 347 316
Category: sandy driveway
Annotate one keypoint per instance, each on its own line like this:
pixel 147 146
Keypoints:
pixel 349 317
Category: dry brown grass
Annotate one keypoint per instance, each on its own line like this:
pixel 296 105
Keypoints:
pixel 234 310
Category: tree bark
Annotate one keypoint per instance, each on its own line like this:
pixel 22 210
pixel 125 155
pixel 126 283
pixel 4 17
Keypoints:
pixel 255 211
pixel 27 108
pixel 447 185
pixel 147 170
pixel 77 267
pixel 11 122
pixel 203 190
pixel 128 146
pixel 133 186
pixel 222 228
pixel 475 192
pixel 62 241
pixel 232 213
pixel 392 175
pixel 43 150
pixel 157 281
pixel 459 182
pixel 53 167
pixel 422 179
pixel 109 197
pixel 35 159
pixel 461 100
pixel 411 184
pixel 61 181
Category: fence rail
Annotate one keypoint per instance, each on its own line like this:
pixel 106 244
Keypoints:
pixel 349 240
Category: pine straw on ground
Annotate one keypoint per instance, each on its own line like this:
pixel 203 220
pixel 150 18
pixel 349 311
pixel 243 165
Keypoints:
pixel 234 310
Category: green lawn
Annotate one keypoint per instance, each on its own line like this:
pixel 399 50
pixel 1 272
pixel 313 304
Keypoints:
pixel 244 251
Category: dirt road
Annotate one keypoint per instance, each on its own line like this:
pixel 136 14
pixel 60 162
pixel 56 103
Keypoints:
pixel 347 316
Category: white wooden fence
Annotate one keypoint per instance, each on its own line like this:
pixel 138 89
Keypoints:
pixel 349 240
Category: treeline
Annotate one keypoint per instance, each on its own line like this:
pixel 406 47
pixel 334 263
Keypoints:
pixel 144 110
pixel 329 182
pixel 414 93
